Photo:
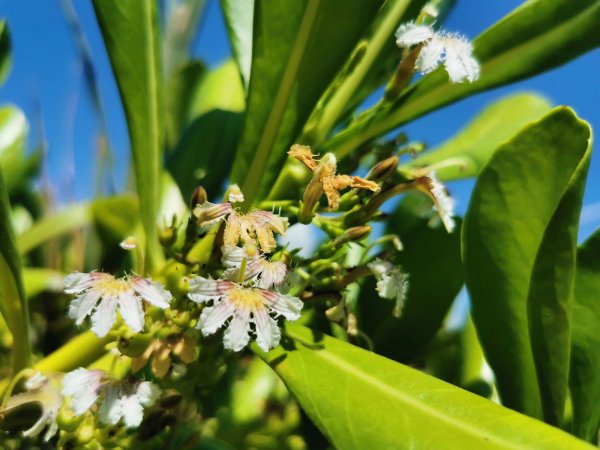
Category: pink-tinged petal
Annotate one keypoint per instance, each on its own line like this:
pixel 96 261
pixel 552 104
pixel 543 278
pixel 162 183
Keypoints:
pixel 111 410
pixel 267 331
pixel 411 34
pixel 276 222
pixel 82 306
pixel 130 307
pixel 77 282
pixel 273 274
pixel 151 291
pixel 105 315
pixel 213 317
pixel 237 334
pixel 205 289
pixel 210 213
pixel 285 305
pixel 83 386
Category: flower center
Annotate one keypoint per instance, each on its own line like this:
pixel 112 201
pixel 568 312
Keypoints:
pixel 246 298
pixel 112 286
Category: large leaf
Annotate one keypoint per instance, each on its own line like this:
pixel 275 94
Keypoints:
pixel 585 358
pixel 131 35
pixel 361 400
pixel 13 302
pixel 297 49
pixel 519 240
pixel 5 59
pixel 465 153
pixel 431 257
pixel 239 17
pixel 537 36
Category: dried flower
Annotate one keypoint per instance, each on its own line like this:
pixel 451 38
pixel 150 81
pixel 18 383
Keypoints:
pixel 441 200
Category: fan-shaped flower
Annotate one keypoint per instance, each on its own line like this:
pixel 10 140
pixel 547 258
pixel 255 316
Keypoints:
pixel 392 283
pixel 245 306
pixel 454 50
pixel 99 294
pixel 120 399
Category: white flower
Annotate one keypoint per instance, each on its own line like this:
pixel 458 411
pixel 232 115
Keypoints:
pixel 441 200
pixel 235 194
pixel 245 306
pixel 45 391
pixel 392 283
pixel 99 294
pixel 454 50
pixel 129 243
pixel 265 274
pixel 120 398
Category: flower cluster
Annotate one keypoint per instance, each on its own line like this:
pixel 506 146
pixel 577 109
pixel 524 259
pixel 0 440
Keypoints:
pixel 454 50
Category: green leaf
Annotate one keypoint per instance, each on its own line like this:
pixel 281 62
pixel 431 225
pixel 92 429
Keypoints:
pixel 5 59
pixel 538 36
pixel 519 239
pixel 465 153
pixel 13 302
pixel 221 88
pixel 71 218
pixel 432 259
pixel 239 17
pixel 298 47
pixel 131 35
pixel 585 358
pixel 38 280
pixel 361 400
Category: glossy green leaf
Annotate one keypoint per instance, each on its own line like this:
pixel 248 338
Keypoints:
pixel 585 358
pixel 519 239
pixel 360 400
pixel 5 59
pixel 432 259
pixel 298 47
pixel 71 218
pixel 13 302
pixel 239 17
pixel 221 88
pixel 465 153
pixel 131 35
pixel 538 36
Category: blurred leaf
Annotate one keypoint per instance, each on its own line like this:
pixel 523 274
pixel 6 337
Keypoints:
pixel 13 302
pixel 131 35
pixel 465 153
pixel 538 36
pixel 37 281
pixel 298 47
pixel 116 216
pixel 221 88
pixel 360 400
pixel 432 259
pixel 182 19
pixel 519 240
pixel 239 17
pixel 71 218
pixel 585 358
pixel 205 152
pixel 180 89
pixel 5 57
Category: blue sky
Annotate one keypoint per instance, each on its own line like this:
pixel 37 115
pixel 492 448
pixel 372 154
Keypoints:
pixel 47 72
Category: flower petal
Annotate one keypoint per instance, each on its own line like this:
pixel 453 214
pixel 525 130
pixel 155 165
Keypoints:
pixel 111 410
pixel 273 274
pixel 459 60
pixel 130 307
pixel 84 386
pixel 430 56
pixel 205 289
pixel 213 317
pixel 77 282
pixel 147 393
pixel 82 306
pixel 151 291
pixel 105 315
pixel 237 334
pixel 286 305
pixel 267 331
pixel 410 34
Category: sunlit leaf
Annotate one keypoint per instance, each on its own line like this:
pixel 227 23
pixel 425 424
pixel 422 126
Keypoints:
pixel 360 400
pixel 585 358
pixel 465 153
pixel 239 17
pixel 131 35
pixel 519 241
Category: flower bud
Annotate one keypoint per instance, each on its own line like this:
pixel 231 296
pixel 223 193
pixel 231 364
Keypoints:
pixel 167 237
pixel 199 197
pixel 135 345
pixel 352 234
pixel 383 169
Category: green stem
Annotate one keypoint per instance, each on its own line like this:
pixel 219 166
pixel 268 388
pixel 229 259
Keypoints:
pixel 78 352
